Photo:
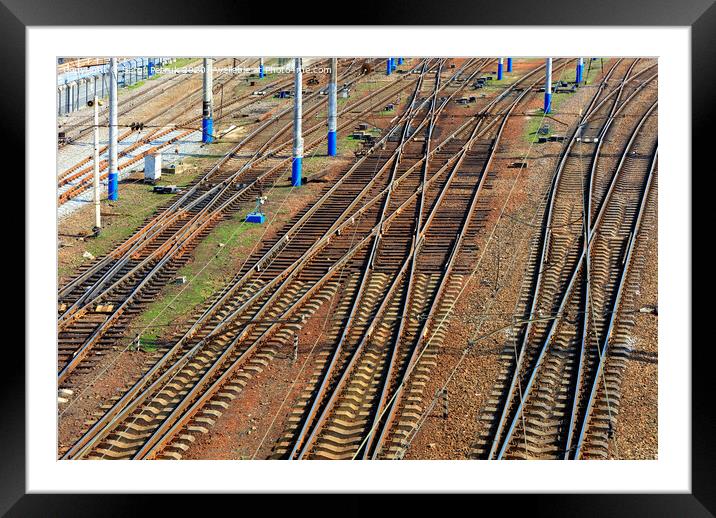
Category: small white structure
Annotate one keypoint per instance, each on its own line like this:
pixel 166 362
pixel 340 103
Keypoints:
pixel 153 167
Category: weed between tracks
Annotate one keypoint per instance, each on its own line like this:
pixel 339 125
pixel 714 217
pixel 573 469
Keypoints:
pixel 558 99
pixel 120 219
pixel 220 255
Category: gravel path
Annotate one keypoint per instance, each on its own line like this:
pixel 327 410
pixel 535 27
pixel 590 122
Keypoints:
pixel 636 434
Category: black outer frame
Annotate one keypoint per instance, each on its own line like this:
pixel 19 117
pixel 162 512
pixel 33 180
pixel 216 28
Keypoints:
pixel 15 15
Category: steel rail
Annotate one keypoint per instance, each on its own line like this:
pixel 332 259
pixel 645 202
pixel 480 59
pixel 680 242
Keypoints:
pixel 416 241
pixel 564 298
pixel 363 278
pixel 422 331
pixel 587 209
pixel 418 238
pixel 603 350
pixel 543 251
pixel 92 294
pixel 125 399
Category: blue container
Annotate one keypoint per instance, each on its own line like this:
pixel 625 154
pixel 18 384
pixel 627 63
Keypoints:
pixel 256 217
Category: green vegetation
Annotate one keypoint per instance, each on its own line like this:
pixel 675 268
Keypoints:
pixel 367 86
pixel 136 203
pixel 215 261
pixel 210 268
pixel 533 125
pixel 348 144
pixel 122 218
pixel 495 85
pixel 568 74
pixel 135 85
pixel 182 62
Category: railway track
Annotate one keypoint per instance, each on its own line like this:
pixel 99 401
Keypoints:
pixel 83 126
pixel 546 404
pixel 255 314
pixel 97 302
pixel 372 387
pixel 77 179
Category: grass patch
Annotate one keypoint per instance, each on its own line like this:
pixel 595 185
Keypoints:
pixel 120 219
pixel 368 86
pixel 348 144
pixel 558 99
pixel 211 266
pixel 136 85
pixel 495 85
pixel 182 62
pixel 533 124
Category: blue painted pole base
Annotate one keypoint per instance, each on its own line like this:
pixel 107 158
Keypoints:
pixel 296 168
pixel 207 130
pixel 509 64
pixel 388 66
pixel 261 72
pixel 547 102
pixel 400 61
pixel 579 74
pixel 113 187
pixel 499 71
pixel 332 144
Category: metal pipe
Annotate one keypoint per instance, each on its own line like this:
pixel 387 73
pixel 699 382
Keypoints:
pixel 113 171
pixel 207 121
pixel 296 166
pixel 548 87
pixel 499 68
pixel 332 104
pixel 580 70
pixel 97 220
pixel 261 68
pixel 388 66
